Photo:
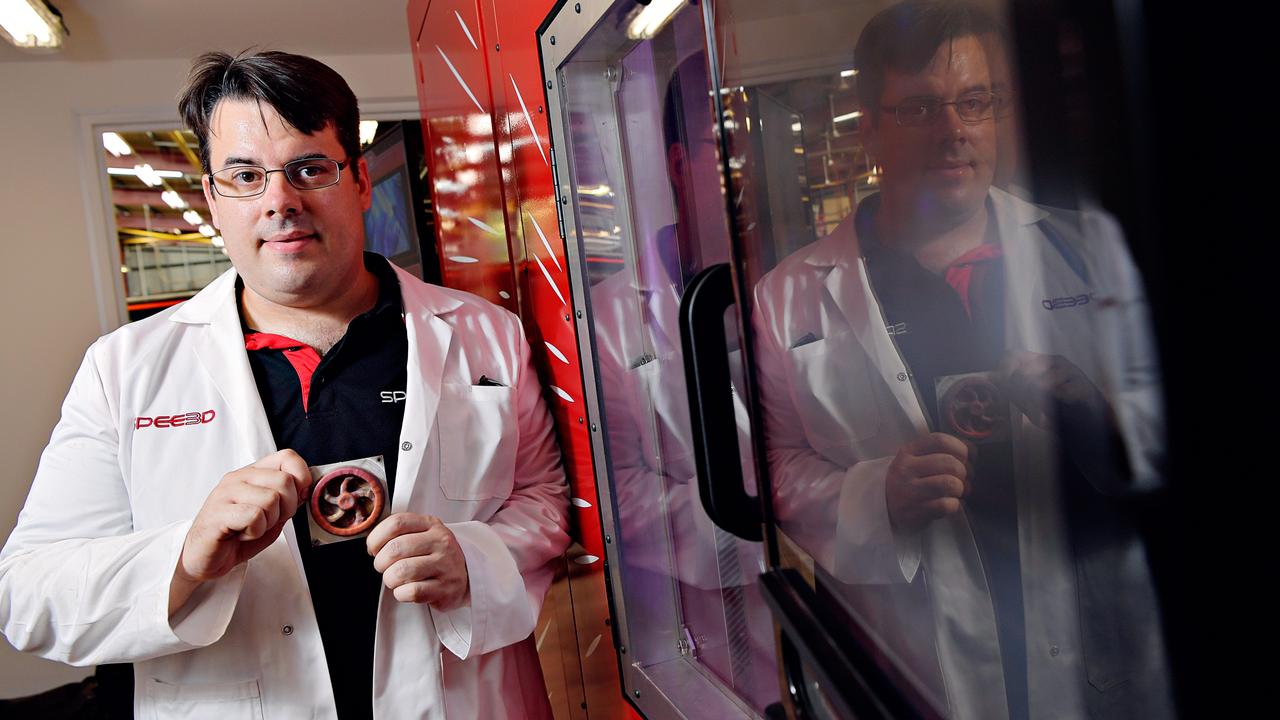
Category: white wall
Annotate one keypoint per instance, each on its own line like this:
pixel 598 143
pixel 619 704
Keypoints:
pixel 48 307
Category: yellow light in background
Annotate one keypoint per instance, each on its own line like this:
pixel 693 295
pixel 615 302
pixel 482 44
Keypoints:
pixel 115 144
pixel 31 25
pixel 653 18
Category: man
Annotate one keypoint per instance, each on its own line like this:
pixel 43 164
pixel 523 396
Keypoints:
pixel 956 384
pixel 166 524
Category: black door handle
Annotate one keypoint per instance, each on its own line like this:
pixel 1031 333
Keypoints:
pixel 715 430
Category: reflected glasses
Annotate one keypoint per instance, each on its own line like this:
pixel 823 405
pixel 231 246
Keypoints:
pixel 972 108
pixel 246 181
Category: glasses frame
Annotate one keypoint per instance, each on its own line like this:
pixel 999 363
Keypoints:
pixel 266 177
pixel 998 109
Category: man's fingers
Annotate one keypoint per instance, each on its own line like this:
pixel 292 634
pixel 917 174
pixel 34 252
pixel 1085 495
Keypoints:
pixel 269 501
pixel 291 463
pixel 938 443
pixel 278 482
pixel 939 486
pixel 250 521
pixel 424 591
pixel 410 570
pixel 396 525
pixel 941 507
pixel 937 464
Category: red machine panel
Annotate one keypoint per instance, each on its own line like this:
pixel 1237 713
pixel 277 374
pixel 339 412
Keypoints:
pixel 453 93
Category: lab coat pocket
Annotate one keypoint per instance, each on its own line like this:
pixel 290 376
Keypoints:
pixel 205 701
pixel 477 441
pixel 834 393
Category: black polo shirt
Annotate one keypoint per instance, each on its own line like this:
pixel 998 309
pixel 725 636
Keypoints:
pixel 952 324
pixel 345 405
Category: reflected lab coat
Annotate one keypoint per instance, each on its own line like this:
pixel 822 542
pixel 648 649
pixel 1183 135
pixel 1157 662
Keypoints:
pixel 839 402
pixel 84 577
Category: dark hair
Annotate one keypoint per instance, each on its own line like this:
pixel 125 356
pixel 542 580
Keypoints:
pixel 692 69
pixel 308 94
pixel 904 38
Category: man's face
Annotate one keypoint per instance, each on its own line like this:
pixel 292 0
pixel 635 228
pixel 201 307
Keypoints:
pixel 939 171
pixel 292 247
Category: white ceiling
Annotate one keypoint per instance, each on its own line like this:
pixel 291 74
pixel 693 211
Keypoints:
pixel 102 30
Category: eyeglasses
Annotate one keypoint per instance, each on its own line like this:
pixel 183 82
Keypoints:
pixel 972 108
pixel 246 181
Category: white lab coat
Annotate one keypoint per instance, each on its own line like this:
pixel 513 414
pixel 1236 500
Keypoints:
pixel 839 403
pixel 84 577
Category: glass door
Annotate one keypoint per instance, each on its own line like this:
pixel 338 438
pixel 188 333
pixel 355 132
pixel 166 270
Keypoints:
pixel 642 204
pixel 959 408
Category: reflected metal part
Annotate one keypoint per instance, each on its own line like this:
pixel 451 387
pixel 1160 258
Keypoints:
pixel 975 408
pixel 347 501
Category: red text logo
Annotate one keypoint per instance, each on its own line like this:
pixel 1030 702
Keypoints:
pixel 172 421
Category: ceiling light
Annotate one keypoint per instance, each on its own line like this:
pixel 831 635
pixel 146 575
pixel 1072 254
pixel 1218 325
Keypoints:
pixel 173 199
pixel 31 24
pixel 847 116
pixel 368 129
pixel 115 144
pixel 217 241
pixel 649 22
pixel 193 217
pixel 153 174
pixel 208 231
pixel 848 73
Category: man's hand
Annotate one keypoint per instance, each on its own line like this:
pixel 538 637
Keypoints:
pixel 243 515
pixel 926 480
pixel 420 561
pixel 1035 383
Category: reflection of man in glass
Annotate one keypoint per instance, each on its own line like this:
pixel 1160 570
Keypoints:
pixel 664 529
pixel 955 382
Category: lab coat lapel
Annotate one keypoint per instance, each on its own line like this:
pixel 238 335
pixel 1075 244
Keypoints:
pixel 848 290
pixel 220 350
pixel 429 336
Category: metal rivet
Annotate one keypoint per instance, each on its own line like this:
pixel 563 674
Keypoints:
pixel 548 84
pixel 567 318
pixel 1054 650
pixel 579 314
pixel 636 693
pixel 593 427
pixel 564 199
pixel 406 446
pixel 622 649
pixel 553 39
pixel 287 629
pixel 577 7
pixel 902 377
pixel 608 540
pixel 539 109
pixel 497 47
pixel 579 419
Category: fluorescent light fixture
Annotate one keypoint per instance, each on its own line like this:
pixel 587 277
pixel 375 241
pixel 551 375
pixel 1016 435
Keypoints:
pixel 847 116
pixel 368 129
pixel 173 199
pixel 848 73
pixel 208 231
pixel 217 241
pixel 596 190
pixel 115 144
pixel 795 127
pixel 145 169
pixel 649 22
pixel 31 25
pixel 193 217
